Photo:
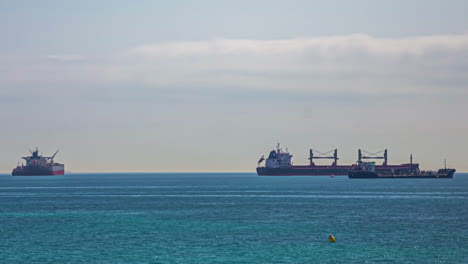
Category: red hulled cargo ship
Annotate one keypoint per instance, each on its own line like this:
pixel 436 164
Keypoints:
pixel 37 165
pixel 279 163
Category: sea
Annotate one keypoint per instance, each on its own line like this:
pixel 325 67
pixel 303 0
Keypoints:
pixel 231 218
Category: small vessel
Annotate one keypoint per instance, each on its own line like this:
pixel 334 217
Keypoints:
pixel 366 170
pixel 38 165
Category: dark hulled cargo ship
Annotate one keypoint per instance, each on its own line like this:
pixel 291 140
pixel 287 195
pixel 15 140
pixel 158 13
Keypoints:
pixel 38 165
pixel 279 163
pixel 367 170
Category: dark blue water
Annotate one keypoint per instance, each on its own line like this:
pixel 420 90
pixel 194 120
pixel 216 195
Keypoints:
pixel 231 218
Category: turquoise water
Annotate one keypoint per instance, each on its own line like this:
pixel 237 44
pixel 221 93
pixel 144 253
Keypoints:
pixel 231 218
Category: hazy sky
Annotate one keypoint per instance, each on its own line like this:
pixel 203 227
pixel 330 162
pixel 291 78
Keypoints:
pixel 213 85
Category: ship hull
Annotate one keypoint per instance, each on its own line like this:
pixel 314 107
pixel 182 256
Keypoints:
pixel 333 170
pixel 39 171
pixel 442 174
pixel 304 171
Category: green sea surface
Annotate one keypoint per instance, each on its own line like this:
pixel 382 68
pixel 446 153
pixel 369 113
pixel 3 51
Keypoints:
pixel 231 218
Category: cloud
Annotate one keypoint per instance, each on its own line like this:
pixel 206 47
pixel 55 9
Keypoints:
pixel 66 58
pixel 355 63
pixel 325 47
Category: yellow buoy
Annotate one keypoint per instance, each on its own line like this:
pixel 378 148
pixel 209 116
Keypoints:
pixel 331 238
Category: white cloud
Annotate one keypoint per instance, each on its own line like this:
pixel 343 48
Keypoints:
pixel 355 63
pixel 325 47
pixel 352 64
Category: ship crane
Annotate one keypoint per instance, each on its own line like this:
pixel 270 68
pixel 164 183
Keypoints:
pixel 53 156
pixel 322 155
pixel 375 155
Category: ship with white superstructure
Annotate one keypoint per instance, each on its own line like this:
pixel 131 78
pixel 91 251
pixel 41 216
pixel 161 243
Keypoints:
pixel 279 163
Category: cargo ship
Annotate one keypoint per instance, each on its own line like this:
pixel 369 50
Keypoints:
pixel 367 170
pixel 279 163
pixel 38 165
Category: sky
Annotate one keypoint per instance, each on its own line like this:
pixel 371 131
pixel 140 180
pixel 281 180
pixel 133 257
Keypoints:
pixel 189 86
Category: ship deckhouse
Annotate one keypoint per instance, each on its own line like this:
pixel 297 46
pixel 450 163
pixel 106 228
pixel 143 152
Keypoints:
pixel 38 160
pixel 278 158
